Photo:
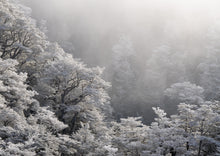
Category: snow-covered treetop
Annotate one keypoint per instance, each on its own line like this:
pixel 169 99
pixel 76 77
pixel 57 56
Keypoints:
pixel 185 92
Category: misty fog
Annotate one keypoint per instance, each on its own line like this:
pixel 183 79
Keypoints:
pixel 145 46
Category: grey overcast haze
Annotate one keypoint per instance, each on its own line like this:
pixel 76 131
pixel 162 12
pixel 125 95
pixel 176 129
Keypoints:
pixel 90 29
pixel 110 77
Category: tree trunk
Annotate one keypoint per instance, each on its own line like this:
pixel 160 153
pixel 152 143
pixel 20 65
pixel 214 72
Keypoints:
pixel 200 148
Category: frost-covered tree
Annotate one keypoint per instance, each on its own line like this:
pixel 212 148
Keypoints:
pixel 71 89
pixel 23 123
pixel 198 118
pixel 61 81
pixel 164 137
pixel 40 129
pixel 13 88
pixel 164 67
pixel 129 136
pixel 123 75
pixel 88 144
pixel 185 92
pixel 182 92
pixel 209 76
pixel 53 104
pixel 17 30
pixel 20 39
pixel 193 131
pixel 200 123
pixel 66 88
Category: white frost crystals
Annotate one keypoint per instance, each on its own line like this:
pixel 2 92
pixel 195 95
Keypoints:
pixel 54 105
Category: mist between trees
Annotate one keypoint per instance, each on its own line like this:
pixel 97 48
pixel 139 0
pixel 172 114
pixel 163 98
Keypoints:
pixel 151 86
pixel 145 46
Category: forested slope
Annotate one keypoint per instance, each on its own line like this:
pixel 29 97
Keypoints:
pixel 53 104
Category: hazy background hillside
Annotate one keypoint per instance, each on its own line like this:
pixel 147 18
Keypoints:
pixel 162 61
pixel 90 29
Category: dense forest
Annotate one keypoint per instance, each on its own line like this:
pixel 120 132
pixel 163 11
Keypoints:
pixel 164 102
